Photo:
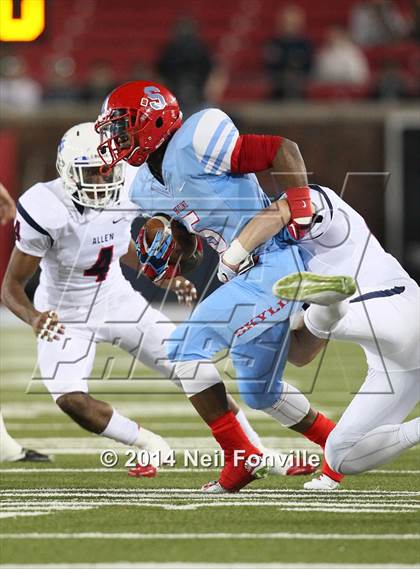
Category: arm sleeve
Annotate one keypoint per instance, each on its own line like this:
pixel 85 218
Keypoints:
pixel 220 149
pixel 254 153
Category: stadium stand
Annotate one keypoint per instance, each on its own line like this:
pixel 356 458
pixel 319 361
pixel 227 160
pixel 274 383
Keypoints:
pixel 235 32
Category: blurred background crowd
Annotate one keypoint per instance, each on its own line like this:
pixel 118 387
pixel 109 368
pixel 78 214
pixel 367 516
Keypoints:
pixel 212 52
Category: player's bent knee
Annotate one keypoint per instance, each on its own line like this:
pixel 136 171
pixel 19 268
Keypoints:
pixel 75 404
pixel 336 450
pixel 196 375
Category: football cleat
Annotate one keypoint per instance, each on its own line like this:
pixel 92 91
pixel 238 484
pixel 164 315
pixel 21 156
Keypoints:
pixel 323 482
pixel 139 471
pixel 314 289
pixel 34 456
pixel 278 462
pixel 214 487
pixel 153 449
pixel 240 475
pixel 298 468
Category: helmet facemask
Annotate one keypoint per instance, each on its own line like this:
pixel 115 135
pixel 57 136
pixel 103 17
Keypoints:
pixel 121 137
pixel 82 171
pixel 91 186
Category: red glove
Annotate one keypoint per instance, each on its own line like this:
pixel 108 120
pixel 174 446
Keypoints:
pixel 299 200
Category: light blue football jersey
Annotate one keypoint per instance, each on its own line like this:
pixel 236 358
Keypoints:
pixel 199 188
pixel 243 315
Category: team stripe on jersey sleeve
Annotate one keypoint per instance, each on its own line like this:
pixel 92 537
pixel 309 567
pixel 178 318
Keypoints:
pixel 30 221
pixel 379 294
pixel 214 140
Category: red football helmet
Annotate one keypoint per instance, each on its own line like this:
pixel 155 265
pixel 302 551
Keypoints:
pixel 135 120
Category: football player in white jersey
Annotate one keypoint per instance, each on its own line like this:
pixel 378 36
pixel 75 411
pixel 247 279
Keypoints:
pixel 377 306
pixel 77 229
pixel 10 449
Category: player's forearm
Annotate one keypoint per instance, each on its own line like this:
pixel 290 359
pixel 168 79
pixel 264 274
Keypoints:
pixel 289 166
pixel 267 223
pixel 20 269
pixel 13 296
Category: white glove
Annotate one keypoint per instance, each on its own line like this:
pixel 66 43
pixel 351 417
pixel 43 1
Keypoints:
pixel 225 273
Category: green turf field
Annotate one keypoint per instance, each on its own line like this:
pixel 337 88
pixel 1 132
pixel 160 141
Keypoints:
pixel 76 513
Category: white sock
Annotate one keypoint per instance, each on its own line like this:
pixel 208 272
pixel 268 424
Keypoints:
pixel 249 431
pixel 380 446
pixel 323 318
pixel 10 450
pixel 121 429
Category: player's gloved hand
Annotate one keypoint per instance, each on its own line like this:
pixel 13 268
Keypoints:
pixel 154 258
pixel 185 291
pixel 47 326
pixel 301 211
pixel 227 272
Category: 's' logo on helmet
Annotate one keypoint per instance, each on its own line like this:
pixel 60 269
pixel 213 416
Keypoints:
pixel 153 98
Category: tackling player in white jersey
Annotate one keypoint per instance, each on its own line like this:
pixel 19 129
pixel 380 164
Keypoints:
pixel 77 229
pixel 376 306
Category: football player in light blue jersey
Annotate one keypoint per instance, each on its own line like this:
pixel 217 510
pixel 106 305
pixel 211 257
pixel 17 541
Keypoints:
pixel 202 174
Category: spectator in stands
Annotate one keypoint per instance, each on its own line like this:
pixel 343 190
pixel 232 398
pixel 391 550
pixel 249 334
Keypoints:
pixel 100 81
pixel 185 65
pixel 377 22
pixel 391 83
pixel 340 61
pixel 288 55
pixel 62 86
pixel 415 28
pixel 17 89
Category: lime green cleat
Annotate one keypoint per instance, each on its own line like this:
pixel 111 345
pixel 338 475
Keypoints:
pixel 314 289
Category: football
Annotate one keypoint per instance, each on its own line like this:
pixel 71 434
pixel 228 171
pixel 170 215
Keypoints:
pixel 185 250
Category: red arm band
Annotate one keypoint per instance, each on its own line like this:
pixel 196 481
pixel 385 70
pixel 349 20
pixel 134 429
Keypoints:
pixel 254 153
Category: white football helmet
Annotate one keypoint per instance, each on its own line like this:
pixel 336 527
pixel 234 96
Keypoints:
pixel 82 170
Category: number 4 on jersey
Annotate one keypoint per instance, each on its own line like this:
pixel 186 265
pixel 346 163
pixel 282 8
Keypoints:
pixel 101 267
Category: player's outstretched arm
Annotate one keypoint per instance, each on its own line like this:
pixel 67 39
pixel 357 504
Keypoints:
pixel 7 206
pixel 267 223
pixel 20 269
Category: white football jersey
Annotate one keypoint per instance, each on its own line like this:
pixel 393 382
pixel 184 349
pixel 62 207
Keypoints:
pixel 341 243
pixel 80 247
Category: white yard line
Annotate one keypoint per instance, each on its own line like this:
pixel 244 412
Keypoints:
pixel 187 536
pixel 181 565
pixel 343 501
pixel 188 492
